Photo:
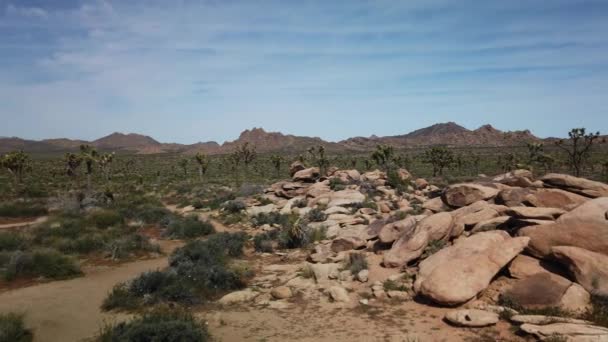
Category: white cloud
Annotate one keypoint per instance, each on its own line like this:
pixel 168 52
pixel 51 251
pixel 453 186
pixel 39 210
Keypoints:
pixel 32 12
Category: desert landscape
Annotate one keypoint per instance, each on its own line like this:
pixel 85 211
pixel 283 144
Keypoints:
pixel 270 171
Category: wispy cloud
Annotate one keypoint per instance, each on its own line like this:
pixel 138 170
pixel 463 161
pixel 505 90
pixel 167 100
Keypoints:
pixel 197 70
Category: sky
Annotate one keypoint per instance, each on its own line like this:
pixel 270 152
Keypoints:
pixel 187 71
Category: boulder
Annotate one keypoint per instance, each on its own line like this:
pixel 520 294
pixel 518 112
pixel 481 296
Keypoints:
pixel 570 331
pixel 295 167
pixel 238 297
pixel 323 272
pixel 544 320
pixel 595 211
pixel 421 183
pixel 584 234
pixel 490 224
pixel 471 318
pixel 347 243
pixel 577 185
pixel 589 269
pixel 535 213
pixel 281 292
pixel 345 197
pixel 520 177
pixel 547 290
pixel 465 221
pixel 318 189
pixel 253 211
pixel 307 175
pixel 459 279
pixel 437 225
pixel 460 195
pixel 407 248
pixel 435 204
pixel 375 175
pixel 404 174
pixel 392 231
pixel 513 197
pixel 339 294
pixel 555 198
pixel 524 266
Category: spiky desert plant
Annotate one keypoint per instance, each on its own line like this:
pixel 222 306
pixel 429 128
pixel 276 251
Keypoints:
pixel 89 155
pixel 203 164
pixel 104 162
pixel 578 148
pixel 439 157
pixel 383 156
pixel 17 163
pixel 183 164
pixel 318 158
pixel 276 161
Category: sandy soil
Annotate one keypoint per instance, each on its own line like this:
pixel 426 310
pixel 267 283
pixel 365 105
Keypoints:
pixel 24 224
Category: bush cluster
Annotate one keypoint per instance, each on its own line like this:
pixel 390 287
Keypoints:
pixel 189 227
pixel 13 329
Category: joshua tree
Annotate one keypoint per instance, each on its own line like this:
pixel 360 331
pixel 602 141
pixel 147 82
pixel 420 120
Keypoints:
pixel 439 157
pixel 318 158
pixel 183 163
pixel 476 159
pixel 72 163
pixel 203 164
pixel 16 163
pixel 578 148
pixel 276 161
pixel 507 162
pixel 383 156
pixel 246 154
pixel 368 164
pixel 104 164
pixel 353 163
pixel 89 155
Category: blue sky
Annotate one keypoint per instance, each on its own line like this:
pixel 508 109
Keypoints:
pixel 188 71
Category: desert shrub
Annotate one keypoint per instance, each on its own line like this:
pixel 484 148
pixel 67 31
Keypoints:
pixel 12 241
pixel 433 247
pixel 248 190
pixel 22 209
pixel 336 184
pixel 263 200
pixel 46 263
pixel 189 227
pixel 120 298
pixel 150 214
pixel 264 242
pixel 125 246
pixel 317 234
pixel 217 202
pixel 231 243
pixel 271 218
pixel 197 204
pixel 81 245
pixel 161 324
pixel 233 206
pixel 316 215
pixel 12 328
pixel 395 181
pixel 392 285
pixel 300 203
pixel 104 218
pixel 296 235
pixel 356 263
pixel 598 313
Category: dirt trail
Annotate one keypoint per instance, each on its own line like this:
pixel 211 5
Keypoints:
pixel 69 310
pixel 219 226
pixel 38 220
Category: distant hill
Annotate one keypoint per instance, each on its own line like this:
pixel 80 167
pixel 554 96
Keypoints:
pixel 449 134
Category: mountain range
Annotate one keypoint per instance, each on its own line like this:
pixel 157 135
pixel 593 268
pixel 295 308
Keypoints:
pixel 449 134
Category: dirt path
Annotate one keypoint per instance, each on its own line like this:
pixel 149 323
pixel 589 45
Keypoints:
pixel 69 310
pixel 38 220
pixel 219 226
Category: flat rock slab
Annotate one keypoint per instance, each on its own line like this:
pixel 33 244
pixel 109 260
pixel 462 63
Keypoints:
pixel 472 318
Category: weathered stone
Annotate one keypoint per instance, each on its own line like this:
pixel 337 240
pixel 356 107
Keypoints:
pixel 544 320
pixel 593 211
pixel 323 272
pixel 295 167
pixel 408 247
pixel 584 234
pixel 392 231
pixel 513 197
pixel 401 295
pixel 345 197
pixel 421 183
pixel 578 185
pixel 555 198
pixel 438 226
pixel 339 294
pixel 460 195
pixel 281 292
pixel 535 213
pixel 524 266
pixel 491 224
pixel 238 297
pixel 363 276
pixel 253 211
pixel 307 175
pixel 458 280
pixel 589 269
pixel 347 243
pixel 435 204
pixel 575 332
pixel 472 318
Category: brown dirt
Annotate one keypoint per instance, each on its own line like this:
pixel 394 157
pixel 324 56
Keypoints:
pixel 22 223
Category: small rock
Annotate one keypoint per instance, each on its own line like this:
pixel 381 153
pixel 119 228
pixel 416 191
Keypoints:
pixel 281 292
pixel 472 318
pixel 339 294
pixel 363 276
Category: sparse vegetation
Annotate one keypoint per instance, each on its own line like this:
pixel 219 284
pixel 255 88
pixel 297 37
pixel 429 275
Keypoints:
pixel 13 329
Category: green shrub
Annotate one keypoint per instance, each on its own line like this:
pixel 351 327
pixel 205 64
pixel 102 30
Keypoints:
pixel 271 218
pixel 11 241
pixel 22 209
pixel 300 203
pixel 189 227
pixel 356 263
pixel 197 204
pixel 336 184
pixel 264 242
pixel 163 324
pixel 125 246
pixel 12 328
pixel 149 214
pixel 598 313
pixel 46 263
pixel 104 218
pixel 120 298
pixel 316 215
pixel 233 206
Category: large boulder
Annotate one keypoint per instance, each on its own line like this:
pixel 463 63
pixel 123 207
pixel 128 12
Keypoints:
pixel 513 196
pixel 472 318
pixel 238 297
pixel 588 235
pixel 519 177
pixel 392 231
pixel 578 185
pixel 524 266
pixel 459 279
pixel 345 197
pixel 435 204
pixel 318 189
pixel 295 167
pixel 491 224
pixel 438 226
pixel 307 175
pixel 589 269
pixel 547 290
pixel 595 210
pixel 407 248
pixel 555 198
pixel 460 195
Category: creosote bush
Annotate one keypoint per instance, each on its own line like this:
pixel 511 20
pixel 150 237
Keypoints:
pixel 12 328
pixel 161 324
pixel 46 263
pixel 189 227
pixel 316 215
pixel 356 263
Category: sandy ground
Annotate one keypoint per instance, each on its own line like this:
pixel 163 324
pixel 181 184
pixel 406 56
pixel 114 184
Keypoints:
pixel 36 221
